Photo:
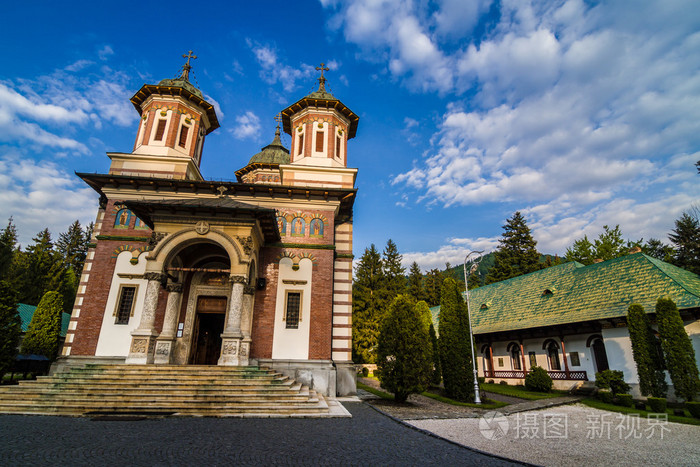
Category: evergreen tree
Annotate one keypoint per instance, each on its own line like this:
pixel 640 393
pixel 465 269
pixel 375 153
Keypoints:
pixel 433 286
pixel 415 282
pixel 404 355
pixel 678 350
pixel 10 327
pixel 45 328
pixel 652 379
pixel 366 305
pixel 8 241
pixel 436 376
pixel 659 250
pixel 72 246
pixel 454 344
pixel 394 273
pixel 608 245
pixel 517 253
pixel 686 239
pixel 39 269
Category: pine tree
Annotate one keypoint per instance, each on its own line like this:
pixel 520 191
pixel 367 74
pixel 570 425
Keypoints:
pixel 686 239
pixel 40 268
pixel 433 286
pixel 581 251
pixel 394 273
pixel 610 244
pixel 454 344
pixel 678 350
pixel 8 241
pixel 404 355
pixel 659 250
pixel 652 379
pixel 366 305
pixel 436 376
pixel 517 253
pixel 72 245
pixel 45 328
pixel 10 327
pixel 415 282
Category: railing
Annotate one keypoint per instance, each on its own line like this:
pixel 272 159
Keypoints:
pixel 557 375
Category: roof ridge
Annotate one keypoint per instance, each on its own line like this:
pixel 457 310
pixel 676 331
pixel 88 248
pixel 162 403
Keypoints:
pixel 654 262
pixel 576 265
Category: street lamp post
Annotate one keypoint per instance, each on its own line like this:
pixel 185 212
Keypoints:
pixel 475 264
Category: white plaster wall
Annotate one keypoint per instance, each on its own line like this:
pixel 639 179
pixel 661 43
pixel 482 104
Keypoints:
pixel 115 339
pixel 693 330
pixel 619 349
pixel 577 343
pixel 293 344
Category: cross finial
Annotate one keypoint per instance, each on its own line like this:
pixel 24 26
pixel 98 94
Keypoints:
pixel 187 67
pixel 322 79
pixel 278 119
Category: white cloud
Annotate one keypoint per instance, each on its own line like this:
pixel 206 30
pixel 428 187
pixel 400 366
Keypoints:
pixel 272 71
pixel 247 126
pixel 105 52
pixel 453 252
pixel 29 191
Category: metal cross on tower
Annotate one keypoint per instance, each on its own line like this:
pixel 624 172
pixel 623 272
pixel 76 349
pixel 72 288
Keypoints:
pixel 322 79
pixel 187 67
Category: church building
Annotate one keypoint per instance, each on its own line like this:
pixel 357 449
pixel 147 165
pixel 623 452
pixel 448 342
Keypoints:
pixel 187 271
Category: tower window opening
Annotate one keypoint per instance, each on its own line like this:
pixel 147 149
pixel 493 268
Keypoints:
pixel 183 136
pixel 301 144
pixel 337 147
pixel 319 141
pixel 160 130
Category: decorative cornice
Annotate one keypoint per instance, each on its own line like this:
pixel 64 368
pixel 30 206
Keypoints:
pixel 174 287
pixel 310 246
pixel 154 276
pixel 123 238
pixel 237 279
pixel 249 290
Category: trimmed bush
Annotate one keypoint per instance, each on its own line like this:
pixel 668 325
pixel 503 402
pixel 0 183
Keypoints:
pixel 625 400
pixel 613 380
pixel 648 359
pixel 10 327
pixel 605 396
pixel 455 348
pixel 657 404
pixel 44 330
pixel 538 380
pixel 482 380
pixel 693 408
pixel 503 383
pixel 678 350
pixel 404 352
pixel 436 377
pixel 365 371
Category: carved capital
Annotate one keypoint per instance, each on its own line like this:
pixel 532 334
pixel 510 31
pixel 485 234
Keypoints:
pixel 246 243
pixel 237 279
pixel 174 287
pixel 249 290
pixel 156 237
pixel 153 276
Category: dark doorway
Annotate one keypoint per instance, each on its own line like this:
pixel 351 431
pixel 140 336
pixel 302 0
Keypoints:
pixel 600 355
pixel 208 328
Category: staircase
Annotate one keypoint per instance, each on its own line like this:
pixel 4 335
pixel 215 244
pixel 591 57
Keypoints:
pixel 165 390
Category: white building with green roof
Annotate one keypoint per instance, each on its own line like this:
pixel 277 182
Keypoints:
pixel 571 319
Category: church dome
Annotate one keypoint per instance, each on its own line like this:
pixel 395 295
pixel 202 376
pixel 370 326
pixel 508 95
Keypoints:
pixel 182 82
pixel 273 153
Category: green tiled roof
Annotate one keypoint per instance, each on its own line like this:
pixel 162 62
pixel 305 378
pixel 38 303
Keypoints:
pixel 26 313
pixel 580 293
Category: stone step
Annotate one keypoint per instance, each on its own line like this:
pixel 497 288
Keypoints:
pixel 105 387
pixel 147 379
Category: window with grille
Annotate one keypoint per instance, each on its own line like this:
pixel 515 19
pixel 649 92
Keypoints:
pixel 292 316
pixel 183 135
pixel 160 129
pixel 319 141
pixel 125 306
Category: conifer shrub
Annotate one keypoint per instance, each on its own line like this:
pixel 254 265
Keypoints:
pixel 649 362
pixel 44 330
pixel 678 350
pixel 613 380
pixel 404 352
pixel 10 327
pixel 625 400
pixel 693 408
pixel 606 396
pixel 436 376
pixel 365 371
pixel 657 404
pixel 538 380
pixel 454 344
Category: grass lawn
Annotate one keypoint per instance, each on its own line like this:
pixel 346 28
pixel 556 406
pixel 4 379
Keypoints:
pixel 518 391
pixel 488 404
pixel 596 404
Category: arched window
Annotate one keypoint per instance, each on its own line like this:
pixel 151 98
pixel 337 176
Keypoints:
pixel 515 356
pixel 553 356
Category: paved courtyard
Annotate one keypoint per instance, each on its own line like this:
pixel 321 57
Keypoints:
pixel 369 438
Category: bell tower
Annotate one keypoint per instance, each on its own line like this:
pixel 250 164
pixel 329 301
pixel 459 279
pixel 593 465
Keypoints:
pixel 175 119
pixel 320 127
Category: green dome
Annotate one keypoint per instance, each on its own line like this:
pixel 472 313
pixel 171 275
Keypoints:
pixel 182 82
pixel 273 153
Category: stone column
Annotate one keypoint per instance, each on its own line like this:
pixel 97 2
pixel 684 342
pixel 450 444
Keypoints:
pixel 166 340
pixel 143 338
pixel 231 338
pixel 247 324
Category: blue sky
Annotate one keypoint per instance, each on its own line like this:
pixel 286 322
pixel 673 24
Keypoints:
pixel 579 114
